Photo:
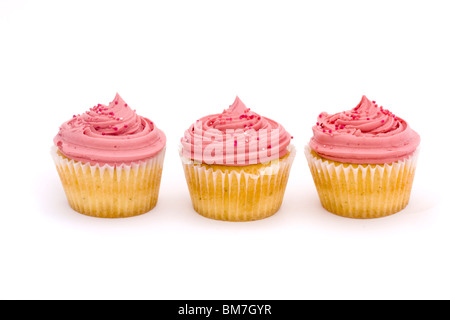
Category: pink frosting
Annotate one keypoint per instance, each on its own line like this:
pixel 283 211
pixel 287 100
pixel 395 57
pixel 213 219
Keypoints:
pixel 112 134
pixel 366 134
pixel 235 137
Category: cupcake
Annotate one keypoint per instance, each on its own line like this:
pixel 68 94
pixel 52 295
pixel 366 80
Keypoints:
pixel 236 164
pixel 363 161
pixel 110 161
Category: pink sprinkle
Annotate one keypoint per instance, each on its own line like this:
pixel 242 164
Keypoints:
pixel 382 121
pixel 317 123
pixel 125 105
pixel 125 126
pixel 116 102
pixel 330 131
pixel 74 116
pixel 342 127
pixel 235 143
pixel 324 130
pixel 373 101
pixel 269 146
pixel 111 113
pixel 103 133
pixel 292 137
pixel 115 128
pixel 368 118
pixel 320 116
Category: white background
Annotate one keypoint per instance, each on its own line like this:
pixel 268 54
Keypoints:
pixel 175 61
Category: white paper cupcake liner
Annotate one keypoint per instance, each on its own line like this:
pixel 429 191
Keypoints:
pixel 362 191
pixel 238 194
pixel 110 191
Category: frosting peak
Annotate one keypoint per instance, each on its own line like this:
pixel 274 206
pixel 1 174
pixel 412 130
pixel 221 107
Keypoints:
pixel 238 107
pixel 365 105
pixel 112 134
pixel 366 134
pixel 235 137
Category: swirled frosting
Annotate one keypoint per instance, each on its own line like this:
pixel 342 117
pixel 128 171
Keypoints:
pixel 235 137
pixel 112 134
pixel 366 134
